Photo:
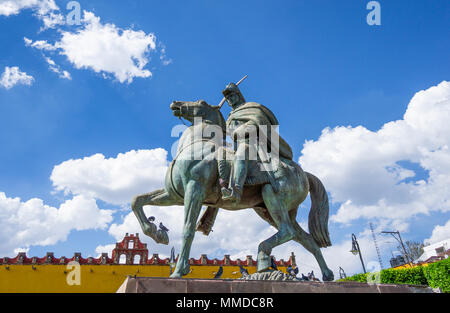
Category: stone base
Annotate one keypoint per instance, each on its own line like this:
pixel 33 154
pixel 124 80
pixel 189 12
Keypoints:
pixel 165 285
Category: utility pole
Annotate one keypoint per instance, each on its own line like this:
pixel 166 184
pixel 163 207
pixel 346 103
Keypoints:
pixel 399 239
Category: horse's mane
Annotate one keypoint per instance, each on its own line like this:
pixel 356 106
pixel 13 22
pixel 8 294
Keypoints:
pixel 220 119
pixel 222 122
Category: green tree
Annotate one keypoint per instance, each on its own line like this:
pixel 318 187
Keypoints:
pixel 414 250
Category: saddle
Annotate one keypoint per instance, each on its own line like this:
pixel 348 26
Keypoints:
pixel 255 176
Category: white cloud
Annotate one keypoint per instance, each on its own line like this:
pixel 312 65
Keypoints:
pixel 107 48
pixel 365 170
pixel 114 180
pixel 39 44
pixel 52 19
pixel 23 224
pixel 439 233
pixel 104 48
pixel 13 7
pixel 57 69
pixel 105 249
pixel 45 10
pixel 45 46
pixel 13 76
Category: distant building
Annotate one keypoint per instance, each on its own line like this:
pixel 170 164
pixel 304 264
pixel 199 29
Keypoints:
pixel 435 252
pixel 397 261
pixel 130 257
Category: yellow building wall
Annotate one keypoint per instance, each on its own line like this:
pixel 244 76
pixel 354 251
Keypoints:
pixel 94 278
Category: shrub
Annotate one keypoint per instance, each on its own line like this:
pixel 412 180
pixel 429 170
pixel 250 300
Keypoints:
pixel 434 275
pixel 412 276
pixel 362 278
pixel 438 275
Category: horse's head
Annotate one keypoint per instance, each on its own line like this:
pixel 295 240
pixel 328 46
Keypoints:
pixel 190 110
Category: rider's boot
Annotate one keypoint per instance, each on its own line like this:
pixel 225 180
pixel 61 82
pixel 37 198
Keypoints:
pixel 234 193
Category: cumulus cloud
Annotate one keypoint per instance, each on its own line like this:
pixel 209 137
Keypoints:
pixel 107 48
pixel 13 7
pixel 114 180
pixel 45 10
pixel 105 249
pixel 23 224
pixel 13 76
pixel 439 233
pixel 104 48
pixel 371 174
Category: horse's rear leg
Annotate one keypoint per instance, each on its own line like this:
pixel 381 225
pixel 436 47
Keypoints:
pixel 193 197
pixel 307 241
pixel 159 198
pixel 280 216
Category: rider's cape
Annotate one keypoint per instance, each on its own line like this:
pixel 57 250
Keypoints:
pixel 252 113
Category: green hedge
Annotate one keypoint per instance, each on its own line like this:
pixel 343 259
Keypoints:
pixel 434 275
pixel 438 275
pixel 412 276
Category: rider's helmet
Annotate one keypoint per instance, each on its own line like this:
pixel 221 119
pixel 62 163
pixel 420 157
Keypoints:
pixel 233 89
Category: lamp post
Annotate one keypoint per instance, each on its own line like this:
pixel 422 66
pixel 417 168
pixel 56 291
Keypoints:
pixel 356 250
pixel 342 273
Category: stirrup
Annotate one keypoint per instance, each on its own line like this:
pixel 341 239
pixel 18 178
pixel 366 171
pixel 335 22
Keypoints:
pixel 234 195
pixel 226 193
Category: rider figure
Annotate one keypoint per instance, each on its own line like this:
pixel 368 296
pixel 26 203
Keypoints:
pixel 245 119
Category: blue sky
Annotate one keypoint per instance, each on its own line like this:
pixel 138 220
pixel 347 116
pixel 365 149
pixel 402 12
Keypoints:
pixel 316 64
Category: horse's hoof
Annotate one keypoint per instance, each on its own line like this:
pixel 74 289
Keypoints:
pixel 328 276
pixel 264 262
pixel 163 237
pixel 150 230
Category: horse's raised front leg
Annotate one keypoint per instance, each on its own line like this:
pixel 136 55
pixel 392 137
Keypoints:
pixel 159 198
pixel 193 197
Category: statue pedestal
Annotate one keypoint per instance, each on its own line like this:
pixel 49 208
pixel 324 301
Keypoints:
pixel 165 285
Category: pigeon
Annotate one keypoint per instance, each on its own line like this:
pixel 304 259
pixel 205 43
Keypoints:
pixel 219 273
pixel 312 277
pixel 273 264
pixel 151 219
pixel 162 227
pixel 243 271
pixel 291 271
pixel 305 278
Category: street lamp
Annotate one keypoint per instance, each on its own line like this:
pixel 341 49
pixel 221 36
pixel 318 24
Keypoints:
pixel 356 250
pixel 342 273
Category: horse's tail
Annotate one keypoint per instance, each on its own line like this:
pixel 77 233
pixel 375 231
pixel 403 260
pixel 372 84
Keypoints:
pixel 318 215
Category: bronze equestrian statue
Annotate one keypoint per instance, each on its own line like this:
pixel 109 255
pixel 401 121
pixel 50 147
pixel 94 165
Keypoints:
pixel 207 172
